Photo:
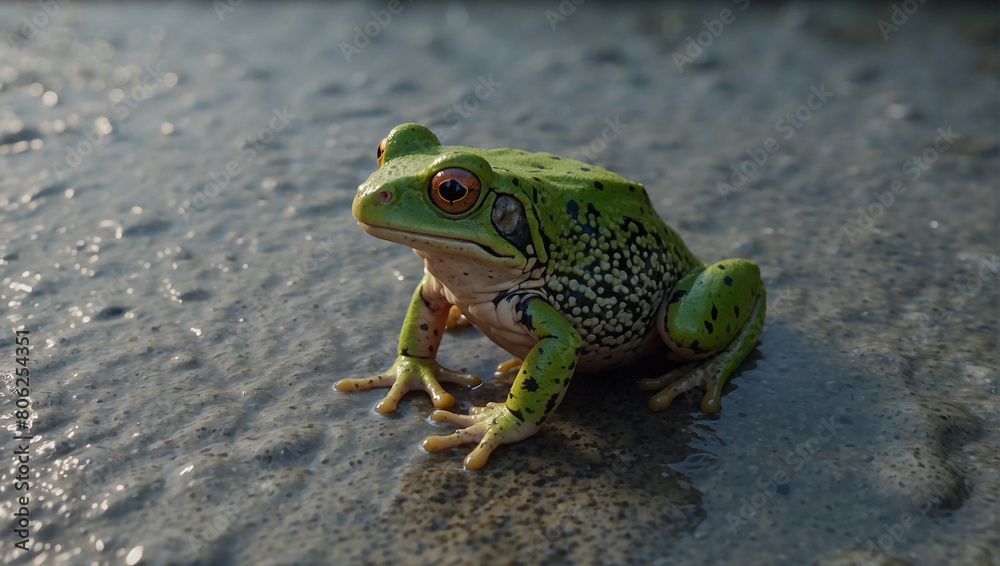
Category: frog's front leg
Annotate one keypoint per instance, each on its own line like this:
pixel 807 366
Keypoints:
pixel 416 367
pixel 713 316
pixel 539 387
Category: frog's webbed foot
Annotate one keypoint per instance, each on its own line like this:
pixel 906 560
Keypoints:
pixel 456 319
pixel 677 381
pixel 407 374
pixel 710 373
pixel 489 427
pixel 714 315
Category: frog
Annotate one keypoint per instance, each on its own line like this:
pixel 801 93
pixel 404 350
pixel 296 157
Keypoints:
pixel 565 265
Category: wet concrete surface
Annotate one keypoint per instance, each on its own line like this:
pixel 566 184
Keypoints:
pixel 177 238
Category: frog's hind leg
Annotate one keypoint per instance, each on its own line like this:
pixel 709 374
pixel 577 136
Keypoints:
pixel 713 317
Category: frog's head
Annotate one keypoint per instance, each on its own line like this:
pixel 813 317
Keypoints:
pixel 446 201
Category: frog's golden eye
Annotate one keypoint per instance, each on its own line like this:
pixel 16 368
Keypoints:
pixel 381 150
pixel 454 190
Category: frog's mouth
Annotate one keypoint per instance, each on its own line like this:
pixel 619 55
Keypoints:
pixel 430 242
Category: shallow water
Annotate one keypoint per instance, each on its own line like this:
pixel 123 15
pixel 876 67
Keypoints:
pixel 184 335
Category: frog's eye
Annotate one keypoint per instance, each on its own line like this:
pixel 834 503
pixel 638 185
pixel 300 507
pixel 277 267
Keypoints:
pixel 380 151
pixel 454 190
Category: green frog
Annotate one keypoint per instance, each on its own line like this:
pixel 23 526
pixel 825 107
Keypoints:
pixel 563 264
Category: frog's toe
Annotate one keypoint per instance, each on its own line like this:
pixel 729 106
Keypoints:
pixel 456 319
pixel 654 383
pixel 665 397
pixel 441 398
pixel 504 367
pixel 489 409
pixel 437 443
pixel 387 405
pixel 347 385
pixel 489 427
pixel 481 453
pixel 712 401
pixel 459 378
pixel 391 400
pixel 411 374
pixel 397 388
pixel 486 442
pixel 453 418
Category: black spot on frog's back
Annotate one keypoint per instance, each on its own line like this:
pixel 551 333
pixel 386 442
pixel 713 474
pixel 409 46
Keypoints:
pixel 573 209
pixel 636 227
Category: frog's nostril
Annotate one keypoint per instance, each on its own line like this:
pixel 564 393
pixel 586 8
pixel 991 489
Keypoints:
pixel 384 196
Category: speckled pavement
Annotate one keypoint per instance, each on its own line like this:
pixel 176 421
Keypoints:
pixel 176 238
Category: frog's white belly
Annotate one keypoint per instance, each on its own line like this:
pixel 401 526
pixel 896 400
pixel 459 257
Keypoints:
pixel 465 283
pixel 474 292
pixel 499 323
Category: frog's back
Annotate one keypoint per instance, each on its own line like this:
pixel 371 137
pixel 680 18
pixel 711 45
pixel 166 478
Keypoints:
pixel 561 185
pixel 611 257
